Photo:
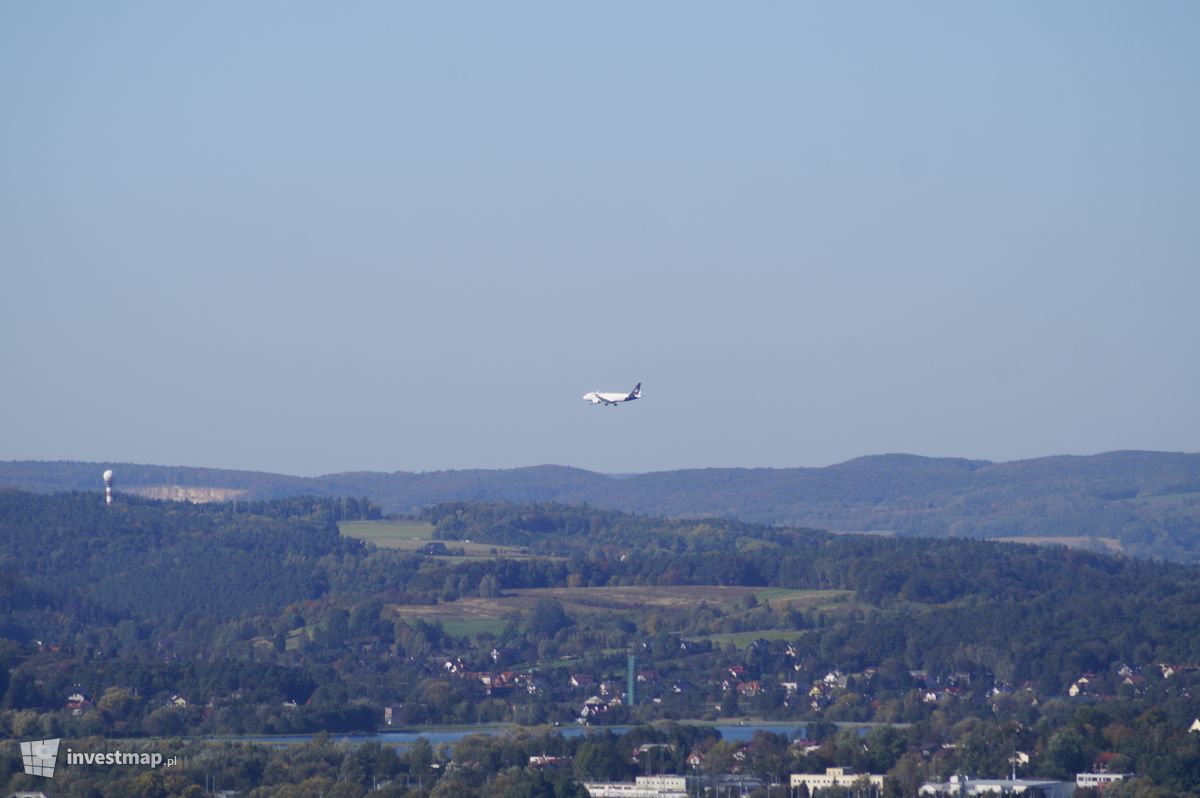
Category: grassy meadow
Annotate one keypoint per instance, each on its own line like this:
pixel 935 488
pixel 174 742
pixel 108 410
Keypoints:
pixel 412 535
pixel 472 614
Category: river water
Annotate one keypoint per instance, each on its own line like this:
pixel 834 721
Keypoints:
pixel 437 736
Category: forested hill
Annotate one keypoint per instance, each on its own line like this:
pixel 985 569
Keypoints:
pixel 1144 503
pixel 164 619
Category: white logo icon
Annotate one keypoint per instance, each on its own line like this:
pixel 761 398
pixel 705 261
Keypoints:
pixel 39 756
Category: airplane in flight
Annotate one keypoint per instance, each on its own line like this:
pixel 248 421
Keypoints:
pixel 613 399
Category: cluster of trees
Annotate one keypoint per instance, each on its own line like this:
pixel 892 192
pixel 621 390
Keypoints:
pixel 145 560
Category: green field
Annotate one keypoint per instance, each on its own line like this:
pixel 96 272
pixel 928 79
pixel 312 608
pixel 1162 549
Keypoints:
pixel 471 615
pixel 816 599
pixel 389 534
pixel 469 627
pixel 1072 542
pixel 1164 498
pixel 293 639
pixel 741 640
pixel 412 535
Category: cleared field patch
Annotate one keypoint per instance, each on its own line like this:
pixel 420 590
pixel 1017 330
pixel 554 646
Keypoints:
pixel 617 599
pixel 742 640
pixel 802 599
pixel 631 601
pixel 416 535
pixel 469 627
pixel 490 551
pixel 389 534
pixel 1164 498
pixel 293 638
pixel 1085 542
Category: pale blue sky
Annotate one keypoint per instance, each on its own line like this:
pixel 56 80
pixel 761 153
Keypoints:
pixel 314 237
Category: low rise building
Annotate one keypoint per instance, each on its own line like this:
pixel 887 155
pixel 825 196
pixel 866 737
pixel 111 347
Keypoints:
pixel 963 786
pixel 833 777
pixel 1098 781
pixel 643 787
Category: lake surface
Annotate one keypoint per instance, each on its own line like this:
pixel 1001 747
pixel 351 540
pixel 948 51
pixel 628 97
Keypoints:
pixel 437 736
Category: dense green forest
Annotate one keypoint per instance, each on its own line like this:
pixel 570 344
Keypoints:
pixel 1146 504
pixel 166 620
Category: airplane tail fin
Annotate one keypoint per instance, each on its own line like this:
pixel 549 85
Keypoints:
pixel 636 392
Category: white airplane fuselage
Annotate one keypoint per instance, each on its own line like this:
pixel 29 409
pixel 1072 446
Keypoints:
pixel 612 399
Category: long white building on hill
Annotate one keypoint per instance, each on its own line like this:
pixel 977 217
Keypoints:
pixel 834 777
pixel 963 787
pixel 643 787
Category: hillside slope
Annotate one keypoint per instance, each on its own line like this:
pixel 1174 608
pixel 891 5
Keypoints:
pixel 1144 503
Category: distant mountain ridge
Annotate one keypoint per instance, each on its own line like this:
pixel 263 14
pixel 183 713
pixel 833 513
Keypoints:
pixel 1149 502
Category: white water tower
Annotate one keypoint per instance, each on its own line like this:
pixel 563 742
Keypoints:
pixel 108 486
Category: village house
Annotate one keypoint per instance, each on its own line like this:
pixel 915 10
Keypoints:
pixel 835 679
pixel 78 703
pixel 594 711
pixel 1136 681
pixel 1082 686
pixel 544 761
pixel 748 689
